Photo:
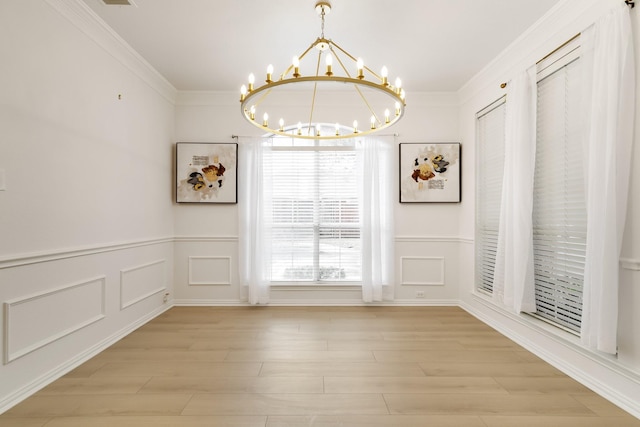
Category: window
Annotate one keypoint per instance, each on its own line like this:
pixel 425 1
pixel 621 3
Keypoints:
pixel 559 211
pixel 490 131
pixel 314 211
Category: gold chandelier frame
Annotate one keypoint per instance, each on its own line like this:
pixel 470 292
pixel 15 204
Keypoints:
pixel 251 98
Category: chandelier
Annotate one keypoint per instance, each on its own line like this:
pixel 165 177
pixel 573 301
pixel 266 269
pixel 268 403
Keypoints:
pixel 372 99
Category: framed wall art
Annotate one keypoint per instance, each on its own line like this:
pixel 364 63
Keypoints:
pixel 206 172
pixel 430 172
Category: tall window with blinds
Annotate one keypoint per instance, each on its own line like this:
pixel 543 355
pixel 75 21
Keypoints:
pixel 559 211
pixel 490 131
pixel 315 224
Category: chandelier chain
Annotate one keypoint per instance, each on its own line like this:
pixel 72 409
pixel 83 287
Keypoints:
pixel 322 14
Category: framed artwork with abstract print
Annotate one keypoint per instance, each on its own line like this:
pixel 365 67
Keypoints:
pixel 206 172
pixel 429 172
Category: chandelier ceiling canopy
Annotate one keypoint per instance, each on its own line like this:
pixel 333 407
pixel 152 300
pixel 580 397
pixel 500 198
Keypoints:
pixel 335 89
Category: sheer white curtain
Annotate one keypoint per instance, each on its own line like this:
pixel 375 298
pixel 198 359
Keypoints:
pixel 513 283
pixel 609 111
pixel 376 216
pixel 254 228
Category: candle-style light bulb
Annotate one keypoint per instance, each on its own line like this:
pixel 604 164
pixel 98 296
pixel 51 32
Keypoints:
pixel 386 116
pixel 252 80
pixel 299 128
pixel 329 62
pixel 337 129
pixel 269 73
pixel 296 66
pixel 355 126
pixel 402 94
pixel 373 122
pixel 281 123
pixel 397 108
pixel 243 92
pixel 360 65
pixel 398 85
pixel 385 76
pixel 265 120
pixel 252 112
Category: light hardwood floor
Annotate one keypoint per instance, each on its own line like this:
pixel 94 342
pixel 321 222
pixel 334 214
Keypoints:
pixel 303 366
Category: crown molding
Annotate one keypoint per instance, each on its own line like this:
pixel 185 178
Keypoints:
pixel 86 20
pixel 560 23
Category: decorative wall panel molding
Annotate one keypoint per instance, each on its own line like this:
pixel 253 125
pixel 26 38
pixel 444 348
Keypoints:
pixel 78 359
pixel 209 270
pixel 211 239
pixel 141 282
pixel 35 258
pixel 422 271
pixel 33 321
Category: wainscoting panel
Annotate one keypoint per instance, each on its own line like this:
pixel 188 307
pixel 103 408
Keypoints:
pixel 141 282
pixel 63 306
pixel 31 322
pixel 422 271
pixel 209 270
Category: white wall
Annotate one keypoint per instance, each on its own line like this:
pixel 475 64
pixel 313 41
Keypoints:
pixel 427 235
pixel 90 239
pixel 86 224
pixel 615 378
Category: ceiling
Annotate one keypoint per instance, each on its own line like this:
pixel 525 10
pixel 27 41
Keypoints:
pixel 213 45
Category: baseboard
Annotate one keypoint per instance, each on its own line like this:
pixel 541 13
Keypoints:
pixel 626 402
pixel 49 377
pixel 578 363
pixel 316 303
pixel 208 303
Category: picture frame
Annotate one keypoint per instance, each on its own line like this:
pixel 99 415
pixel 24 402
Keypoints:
pixel 206 172
pixel 430 172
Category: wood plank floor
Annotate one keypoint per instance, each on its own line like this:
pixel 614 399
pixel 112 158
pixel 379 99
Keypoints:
pixel 304 366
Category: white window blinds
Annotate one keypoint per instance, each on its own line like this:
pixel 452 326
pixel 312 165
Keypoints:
pixel 314 214
pixel 490 131
pixel 559 213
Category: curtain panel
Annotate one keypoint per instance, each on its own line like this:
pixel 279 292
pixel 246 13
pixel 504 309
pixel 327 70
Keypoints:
pixel 376 213
pixel 513 283
pixel 254 227
pixel 609 110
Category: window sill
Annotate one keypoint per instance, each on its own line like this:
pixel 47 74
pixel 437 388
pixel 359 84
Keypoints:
pixel 323 286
